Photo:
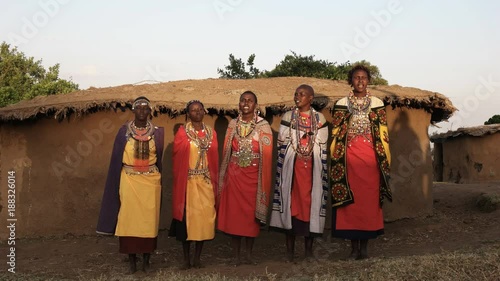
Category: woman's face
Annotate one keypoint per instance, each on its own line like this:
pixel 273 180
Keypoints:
pixel 142 112
pixel 303 98
pixel 360 81
pixel 247 104
pixel 196 112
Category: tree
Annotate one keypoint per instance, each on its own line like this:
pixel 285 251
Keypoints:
pixel 495 119
pixel 236 69
pixel 22 77
pixel 298 65
pixel 308 66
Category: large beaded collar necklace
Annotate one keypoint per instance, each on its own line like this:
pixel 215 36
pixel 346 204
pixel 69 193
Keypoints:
pixel 244 133
pixel 244 128
pixel 141 137
pixel 140 133
pixel 359 107
pixel 303 131
pixel 204 142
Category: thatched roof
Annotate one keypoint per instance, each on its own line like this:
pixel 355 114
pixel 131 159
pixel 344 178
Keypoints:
pixel 219 96
pixel 477 131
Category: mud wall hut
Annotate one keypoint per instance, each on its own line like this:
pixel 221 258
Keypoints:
pixel 467 155
pixel 59 146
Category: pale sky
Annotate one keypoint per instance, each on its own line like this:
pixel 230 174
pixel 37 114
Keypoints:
pixel 450 47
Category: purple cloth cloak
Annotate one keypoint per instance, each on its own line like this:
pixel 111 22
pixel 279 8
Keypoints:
pixel 110 205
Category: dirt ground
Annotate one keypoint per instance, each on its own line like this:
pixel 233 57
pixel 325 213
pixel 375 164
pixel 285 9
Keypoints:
pixel 456 225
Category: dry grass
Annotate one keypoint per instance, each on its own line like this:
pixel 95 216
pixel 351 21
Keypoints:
pixel 482 264
pixel 456 266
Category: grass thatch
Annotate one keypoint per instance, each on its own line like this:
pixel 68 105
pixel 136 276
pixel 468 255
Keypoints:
pixel 477 131
pixel 219 96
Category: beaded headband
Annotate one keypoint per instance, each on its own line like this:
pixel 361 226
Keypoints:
pixel 141 102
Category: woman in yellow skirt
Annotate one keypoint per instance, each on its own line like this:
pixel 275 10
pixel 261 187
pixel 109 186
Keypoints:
pixel 195 165
pixel 131 202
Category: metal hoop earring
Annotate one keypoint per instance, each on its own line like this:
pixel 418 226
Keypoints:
pixel 257 113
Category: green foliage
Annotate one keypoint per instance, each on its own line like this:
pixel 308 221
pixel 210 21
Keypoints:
pixel 308 66
pixel 22 77
pixel 495 119
pixel 297 65
pixel 237 70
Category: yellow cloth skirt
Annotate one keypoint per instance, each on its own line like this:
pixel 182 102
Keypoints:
pixel 200 209
pixel 200 201
pixel 140 196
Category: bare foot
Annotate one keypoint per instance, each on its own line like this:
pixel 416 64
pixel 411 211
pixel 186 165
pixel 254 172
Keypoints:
pixel 310 259
pixel 131 271
pixel 132 268
pixel 146 266
pixel 362 256
pixel 185 266
pixel 234 262
pixel 197 264
pixel 363 253
pixel 353 256
pixel 249 260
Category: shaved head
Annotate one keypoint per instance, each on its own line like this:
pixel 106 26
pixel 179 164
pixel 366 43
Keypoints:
pixel 308 88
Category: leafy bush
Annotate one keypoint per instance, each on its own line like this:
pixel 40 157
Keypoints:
pixel 22 77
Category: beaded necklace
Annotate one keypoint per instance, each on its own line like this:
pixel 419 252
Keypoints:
pixel 359 124
pixel 243 128
pixel 148 125
pixel 359 104
pixel 140 133
pixel 141 137
pixel 302 131
pixel 244 133
pixel 203 143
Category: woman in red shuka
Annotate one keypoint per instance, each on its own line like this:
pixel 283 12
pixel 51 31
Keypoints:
pixel 245 179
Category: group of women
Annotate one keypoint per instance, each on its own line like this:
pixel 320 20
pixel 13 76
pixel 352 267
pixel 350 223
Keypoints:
pixel 234 197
